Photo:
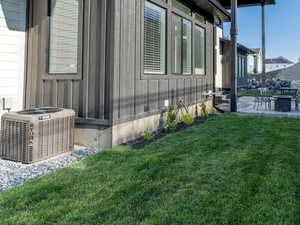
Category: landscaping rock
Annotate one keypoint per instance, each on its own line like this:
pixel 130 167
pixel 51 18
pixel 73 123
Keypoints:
pixel 13 174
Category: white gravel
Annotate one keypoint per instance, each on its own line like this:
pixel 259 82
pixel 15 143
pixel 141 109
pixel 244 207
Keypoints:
pixel 13 174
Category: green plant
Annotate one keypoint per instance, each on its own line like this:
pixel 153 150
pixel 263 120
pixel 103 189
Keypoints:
pixel 187 119
pixel 211 111
pixel 171 119
pixel 149 135
pixel 204 113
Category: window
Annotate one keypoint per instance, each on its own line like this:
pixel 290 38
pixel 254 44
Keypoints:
pixel 154 39
pixel 187 47
pixel 64 36
pixel 181 45
pixel 199 50
pixel 241 63
pixel 176 44
pixel 186 51
pixel 181 7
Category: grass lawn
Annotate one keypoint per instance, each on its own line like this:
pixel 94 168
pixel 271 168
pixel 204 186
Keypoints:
pixel 229 171
pixel 255 93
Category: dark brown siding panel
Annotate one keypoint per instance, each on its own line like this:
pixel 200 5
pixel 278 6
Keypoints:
pixel 163 93
pixel 113 86
pixel 153 95
pixel 180 89
pixel 172 91
pixel 187 89
pixel 76 99
pixel 85 96
pixel 127 59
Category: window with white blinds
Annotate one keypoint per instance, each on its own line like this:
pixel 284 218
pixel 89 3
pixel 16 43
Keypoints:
pixel 63 36
pixel 186 47
pixel 199 50
pixel 154 39
pixel 181 45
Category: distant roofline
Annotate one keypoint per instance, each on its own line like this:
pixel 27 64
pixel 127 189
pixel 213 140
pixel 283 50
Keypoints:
pixel 279 60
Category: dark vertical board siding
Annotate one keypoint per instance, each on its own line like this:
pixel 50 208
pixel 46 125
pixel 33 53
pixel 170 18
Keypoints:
pixel 163 92
pixel 140 98
pixel 48 89
pixel 193 90
pixel 153 95
pixel 85 96
pixel 180 89
pixel 127 59
pixel 115 100
pixel 76 99
pixel 187 91
pixel 172 91
pixel 102 8
pixel 113 86
pixel 93 65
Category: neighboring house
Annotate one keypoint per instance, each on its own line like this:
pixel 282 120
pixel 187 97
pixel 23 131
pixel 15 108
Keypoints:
pixel 12 53
pixel 119 63
pixel 255 61
pixel 242 65
pixel 278 64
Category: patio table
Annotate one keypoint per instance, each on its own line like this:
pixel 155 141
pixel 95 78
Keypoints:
pixel 289 91
pixel 283 103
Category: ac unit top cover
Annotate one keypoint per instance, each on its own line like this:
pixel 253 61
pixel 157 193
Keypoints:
pixel 39 114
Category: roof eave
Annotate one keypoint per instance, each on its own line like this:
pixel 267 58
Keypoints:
pixel 262 2
pixel 220 10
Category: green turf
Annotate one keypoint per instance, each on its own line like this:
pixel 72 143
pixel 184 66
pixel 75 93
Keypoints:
pixel 229 171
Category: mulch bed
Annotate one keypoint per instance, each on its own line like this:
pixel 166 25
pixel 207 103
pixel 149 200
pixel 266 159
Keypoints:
pixel 141 143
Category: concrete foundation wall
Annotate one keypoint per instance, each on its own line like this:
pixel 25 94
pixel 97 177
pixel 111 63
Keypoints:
pixel 104 138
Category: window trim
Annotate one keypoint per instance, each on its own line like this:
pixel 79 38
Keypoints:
pixel 166 38
pixel 205 52
pixel 66 76
pixel 167 5
pixel 192 43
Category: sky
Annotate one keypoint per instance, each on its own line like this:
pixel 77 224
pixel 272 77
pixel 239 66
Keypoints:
pixel 282 28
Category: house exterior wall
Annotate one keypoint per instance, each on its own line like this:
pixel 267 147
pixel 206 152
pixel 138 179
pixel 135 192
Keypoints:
pixel 112 89
pixel 12 52
pixel 254 64
pixel 84 93
pixel 277 66
pixel 137 95
pixel 242 77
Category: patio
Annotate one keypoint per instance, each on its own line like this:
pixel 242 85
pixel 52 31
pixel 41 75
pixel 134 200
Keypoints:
pixel 246 106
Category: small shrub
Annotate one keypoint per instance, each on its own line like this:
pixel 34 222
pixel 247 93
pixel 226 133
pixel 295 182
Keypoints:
pixel 171 119
pixel 187 119
pixel 204 113
pixel 212 111
pixel 149 135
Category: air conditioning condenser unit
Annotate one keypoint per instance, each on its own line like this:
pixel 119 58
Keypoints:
pixel 36 134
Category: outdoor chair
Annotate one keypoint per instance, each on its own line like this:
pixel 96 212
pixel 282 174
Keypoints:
pixel 297 100
pixel 263 99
